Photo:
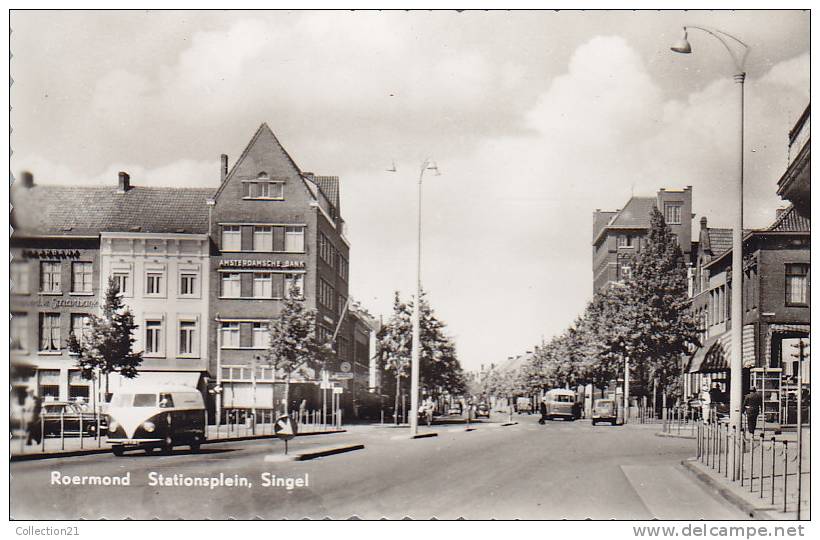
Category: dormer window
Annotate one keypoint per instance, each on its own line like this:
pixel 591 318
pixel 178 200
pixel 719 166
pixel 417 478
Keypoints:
pixel 263 188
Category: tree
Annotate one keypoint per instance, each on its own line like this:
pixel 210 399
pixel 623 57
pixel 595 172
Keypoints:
pixel 108 347
pixel 659 327
pixel 393 344
pixel 293 347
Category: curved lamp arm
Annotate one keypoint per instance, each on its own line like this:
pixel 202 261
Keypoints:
pixel 720 35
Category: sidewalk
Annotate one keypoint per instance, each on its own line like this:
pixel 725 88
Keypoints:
pixel 755 497
pixel 74 446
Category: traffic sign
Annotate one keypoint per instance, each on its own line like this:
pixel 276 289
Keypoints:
pixel 285 427
pixel 345 367
pixel 338 389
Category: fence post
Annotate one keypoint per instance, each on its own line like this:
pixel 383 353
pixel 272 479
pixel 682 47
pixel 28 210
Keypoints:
pixel 785 472
pixel 742 453
pixel 81 430
pixel 773 463
pixel 761 463
pixel 734 453
pixel 62 429
pixel 752 463
pixel 719 445
pixel 42 433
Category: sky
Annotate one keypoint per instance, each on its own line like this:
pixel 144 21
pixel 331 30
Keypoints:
pixel 535 119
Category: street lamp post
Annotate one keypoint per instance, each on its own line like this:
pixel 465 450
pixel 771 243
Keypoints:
pixel 736 367
pixel 415 353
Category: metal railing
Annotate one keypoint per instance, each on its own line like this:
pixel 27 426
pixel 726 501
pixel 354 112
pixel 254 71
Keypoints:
pixel 766 464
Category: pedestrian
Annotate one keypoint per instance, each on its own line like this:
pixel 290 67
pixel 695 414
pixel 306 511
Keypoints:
pixel 31 417
pixel 752 404
pixel 542 408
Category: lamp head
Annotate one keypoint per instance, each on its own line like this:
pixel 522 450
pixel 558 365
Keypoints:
pixel 682 45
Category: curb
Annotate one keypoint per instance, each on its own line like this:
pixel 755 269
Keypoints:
pixel 417 436
pixel 671 436
pixel 313 454
pixel 760 513
pixel 93 451
pixel 505 424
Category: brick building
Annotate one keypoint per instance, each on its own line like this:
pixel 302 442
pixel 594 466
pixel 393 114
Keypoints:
pixel 271 225
pixel 59 274
pixel 776 296
pixel 617 236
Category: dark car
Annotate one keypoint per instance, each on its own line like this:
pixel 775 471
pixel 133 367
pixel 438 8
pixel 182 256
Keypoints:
pixel 68 418
pixel 482 411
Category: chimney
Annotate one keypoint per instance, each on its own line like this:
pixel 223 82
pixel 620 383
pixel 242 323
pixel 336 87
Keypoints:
pixel 124 182
pixel 26 179
pixel 223 167
pixel 779 212
pixel 703 223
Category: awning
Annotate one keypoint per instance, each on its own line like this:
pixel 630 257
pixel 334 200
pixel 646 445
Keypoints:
pixel 717 352
pixel 159 378
pixel 699 356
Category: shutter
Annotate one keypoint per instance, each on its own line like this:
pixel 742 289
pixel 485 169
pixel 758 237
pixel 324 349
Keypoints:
pixel 278 239
pixel 246 285
pixel 247 238
pixel 278 285
pixel 245 334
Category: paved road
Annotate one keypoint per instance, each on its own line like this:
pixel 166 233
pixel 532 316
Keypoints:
pixel 561 470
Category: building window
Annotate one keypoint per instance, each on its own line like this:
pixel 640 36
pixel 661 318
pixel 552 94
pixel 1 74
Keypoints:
pixel 50 332
pixel 50 277
pixel 77 386
pixel 230 335
pixel 262 285
pixel 81 327
pixel 153 337
pixel 343 268
pixel 264 189
pixel 326 251
pixel 187 338
pixel 17 331
pixel 299 281
pixel 263 238
pixel 48 383
pixel 188 284
pixel 18 272
pixel 626 272
pixel 122 281
pixel 294 239
pixel 672 213
pixel 797 284
pixel 326 294
pixel 261 335
pixel 231 238
pixel 625 241
pixel 153 284
pixel 231 285
pixel 340 306
pixel 81 277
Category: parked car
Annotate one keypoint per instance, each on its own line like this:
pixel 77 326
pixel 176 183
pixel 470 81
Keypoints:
pixel 561 403
pixel 523 405
pixel 454 409
pixel 482 411
pixel 67 418
pixel 604 410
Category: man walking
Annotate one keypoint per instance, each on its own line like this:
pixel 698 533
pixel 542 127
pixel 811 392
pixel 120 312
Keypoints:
pixel 752 404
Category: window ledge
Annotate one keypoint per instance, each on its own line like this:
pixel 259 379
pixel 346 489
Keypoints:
pixel 153 355
pixel 263 198
pixel 72 293
pixel 188 356
pixel 50 353
pixel 44 293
